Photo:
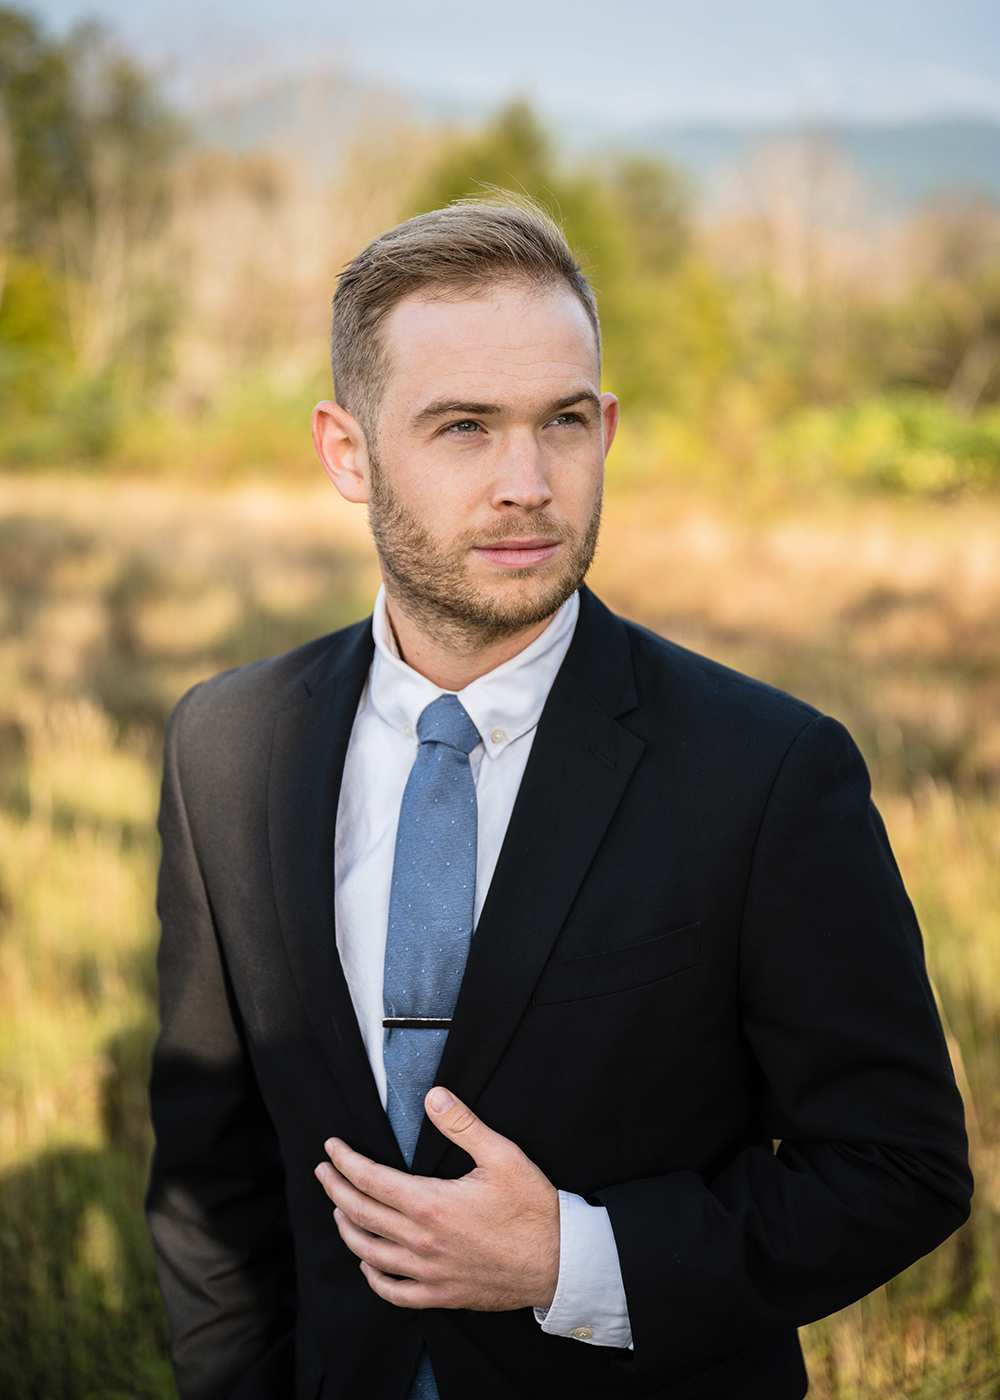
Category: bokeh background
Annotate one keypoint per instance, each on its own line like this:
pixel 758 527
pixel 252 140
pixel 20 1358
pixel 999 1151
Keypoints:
pixel 791 216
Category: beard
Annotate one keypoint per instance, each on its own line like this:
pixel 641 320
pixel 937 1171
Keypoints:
pixel 431 582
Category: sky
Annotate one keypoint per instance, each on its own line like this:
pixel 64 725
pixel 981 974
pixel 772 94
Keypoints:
pixel 623 62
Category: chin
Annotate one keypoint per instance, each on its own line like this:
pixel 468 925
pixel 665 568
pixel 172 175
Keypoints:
pixel 507 609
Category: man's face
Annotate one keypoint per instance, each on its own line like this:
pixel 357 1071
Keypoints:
pixel 486 471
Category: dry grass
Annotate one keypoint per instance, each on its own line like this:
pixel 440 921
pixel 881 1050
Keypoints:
pixel 115 598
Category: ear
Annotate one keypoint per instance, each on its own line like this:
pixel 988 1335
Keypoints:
pixel 609 419
pixel 340 442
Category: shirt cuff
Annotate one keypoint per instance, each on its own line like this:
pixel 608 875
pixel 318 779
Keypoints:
pixel 589 1302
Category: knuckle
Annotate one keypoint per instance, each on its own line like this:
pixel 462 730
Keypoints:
pixel 364 1180
pixel 433 1272
pixel 364 1219
pixel 425 1244
pixel 464 1120
pixel 361 1245
pixel 379 1257
pixel 424 1211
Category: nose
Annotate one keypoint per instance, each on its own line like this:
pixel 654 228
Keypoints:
pixel 522 477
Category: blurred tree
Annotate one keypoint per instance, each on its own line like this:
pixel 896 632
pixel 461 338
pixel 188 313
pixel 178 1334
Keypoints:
pixel 86 146
pixel 8 197
pixel 628 218
pixel 947 329
pixel 106 235
pixel 511 152
pixel 653 202
pixel 36 98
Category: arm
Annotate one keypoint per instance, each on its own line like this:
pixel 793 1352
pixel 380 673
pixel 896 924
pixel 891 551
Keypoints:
pixel 855 1081
pixel 216 1196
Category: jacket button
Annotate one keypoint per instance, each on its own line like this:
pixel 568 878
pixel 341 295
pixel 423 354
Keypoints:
pixel 583 1334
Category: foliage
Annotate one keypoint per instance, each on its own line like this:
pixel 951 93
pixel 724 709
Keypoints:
pixel 83 189
pixel 948 328
pixel 137 288
pixel 911 444
pixel 36 105
pixel 78 113
pixel 629 219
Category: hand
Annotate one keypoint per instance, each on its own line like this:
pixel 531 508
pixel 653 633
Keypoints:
pixel 487 1241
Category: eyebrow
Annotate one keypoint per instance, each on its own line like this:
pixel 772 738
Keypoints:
pixel 444 408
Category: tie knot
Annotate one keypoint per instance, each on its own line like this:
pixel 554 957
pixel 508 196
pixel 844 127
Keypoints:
pixel 445 722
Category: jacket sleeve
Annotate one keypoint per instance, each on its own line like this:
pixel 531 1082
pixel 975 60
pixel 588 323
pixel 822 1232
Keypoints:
pixel 216 1202
pixel 855 1081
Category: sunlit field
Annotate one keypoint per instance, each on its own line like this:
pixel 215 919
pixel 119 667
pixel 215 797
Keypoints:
pixel 118 594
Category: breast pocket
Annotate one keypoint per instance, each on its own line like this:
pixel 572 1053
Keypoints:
pixel 619 969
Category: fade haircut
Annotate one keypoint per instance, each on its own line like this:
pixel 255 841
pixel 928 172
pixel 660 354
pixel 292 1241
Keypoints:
pixel 465 248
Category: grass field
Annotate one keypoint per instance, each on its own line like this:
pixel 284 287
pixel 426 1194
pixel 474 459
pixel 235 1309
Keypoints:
pixel 117 595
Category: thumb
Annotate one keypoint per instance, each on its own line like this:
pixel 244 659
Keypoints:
pixel 458 1123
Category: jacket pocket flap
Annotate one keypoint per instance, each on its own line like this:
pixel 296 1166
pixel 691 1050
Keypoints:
pixel 618 969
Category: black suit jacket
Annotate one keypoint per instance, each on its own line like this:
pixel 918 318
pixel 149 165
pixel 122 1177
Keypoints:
pixel 696 942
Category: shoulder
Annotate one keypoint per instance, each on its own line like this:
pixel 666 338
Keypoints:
pixel 680 689
pixel 698 720
pixel 239 706
pixel 733 741
pixel 694 678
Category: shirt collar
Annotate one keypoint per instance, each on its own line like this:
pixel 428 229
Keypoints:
pixel 503 704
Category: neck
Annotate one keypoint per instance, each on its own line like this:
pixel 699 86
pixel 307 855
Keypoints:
pixel 454 661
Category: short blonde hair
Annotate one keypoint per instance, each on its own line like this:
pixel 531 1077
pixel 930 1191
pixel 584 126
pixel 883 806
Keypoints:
pixel 465 247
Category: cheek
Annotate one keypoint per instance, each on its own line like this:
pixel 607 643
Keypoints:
pixel 577 486
pixel 448 505
pixel 447 492
pixel 426 491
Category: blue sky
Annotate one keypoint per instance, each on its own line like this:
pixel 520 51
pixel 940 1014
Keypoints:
pixel 618 61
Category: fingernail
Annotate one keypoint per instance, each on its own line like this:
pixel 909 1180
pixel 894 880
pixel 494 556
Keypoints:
pixel 441 1100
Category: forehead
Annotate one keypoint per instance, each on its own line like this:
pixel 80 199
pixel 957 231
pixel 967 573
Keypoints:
pixel 510 339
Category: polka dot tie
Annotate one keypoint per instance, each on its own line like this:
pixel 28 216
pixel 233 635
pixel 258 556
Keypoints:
pixel 431 904
pixel 430 908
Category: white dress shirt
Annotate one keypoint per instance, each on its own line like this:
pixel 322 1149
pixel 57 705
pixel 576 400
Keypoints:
pixel 505 706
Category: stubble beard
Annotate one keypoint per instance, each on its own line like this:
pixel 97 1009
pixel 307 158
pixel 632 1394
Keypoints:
pixel 431 583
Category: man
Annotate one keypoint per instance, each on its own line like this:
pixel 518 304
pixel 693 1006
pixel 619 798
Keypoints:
pixel 690 1086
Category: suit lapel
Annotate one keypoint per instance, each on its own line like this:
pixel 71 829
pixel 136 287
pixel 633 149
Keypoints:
pixel 580 765
pixel 308 750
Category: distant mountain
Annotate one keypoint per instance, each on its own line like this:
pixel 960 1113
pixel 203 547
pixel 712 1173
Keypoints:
pixel 902 165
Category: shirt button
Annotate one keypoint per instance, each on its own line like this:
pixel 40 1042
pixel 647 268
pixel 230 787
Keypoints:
pixel 498 736
pixel 408 730
pixel 583 1334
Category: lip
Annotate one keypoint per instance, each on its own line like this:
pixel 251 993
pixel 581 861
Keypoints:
pixel 519 553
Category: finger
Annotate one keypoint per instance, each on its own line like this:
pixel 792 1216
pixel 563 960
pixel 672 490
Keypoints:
pixel 459 1124
pixel 384 1255
pixel 367 1214
pixel 403 1292
pixel 386 1184
pixel 394 1260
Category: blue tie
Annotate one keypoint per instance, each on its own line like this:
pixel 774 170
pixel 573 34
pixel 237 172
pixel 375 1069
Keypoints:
pixel 431 906
pixel 430 909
